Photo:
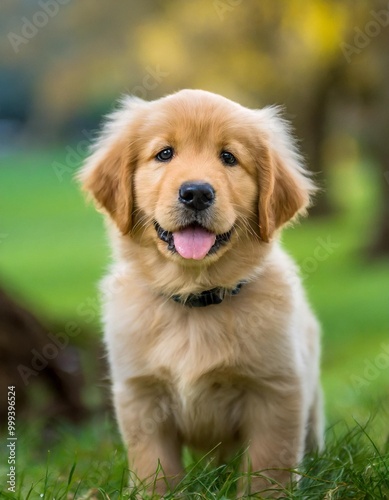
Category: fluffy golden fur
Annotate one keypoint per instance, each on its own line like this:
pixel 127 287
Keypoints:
pixel 243 374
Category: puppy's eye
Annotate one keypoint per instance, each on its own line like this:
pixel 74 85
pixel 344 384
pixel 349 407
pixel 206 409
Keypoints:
pixel 165 155
pixel 228 158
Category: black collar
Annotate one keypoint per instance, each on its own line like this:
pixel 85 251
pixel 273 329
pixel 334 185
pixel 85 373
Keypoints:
pixel 208 297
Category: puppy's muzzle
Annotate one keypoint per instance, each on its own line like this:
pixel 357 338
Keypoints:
pixel 196 195
pixel 195 238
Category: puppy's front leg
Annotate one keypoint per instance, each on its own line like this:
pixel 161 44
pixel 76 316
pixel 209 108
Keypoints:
pixel 145 417
pixel 274 430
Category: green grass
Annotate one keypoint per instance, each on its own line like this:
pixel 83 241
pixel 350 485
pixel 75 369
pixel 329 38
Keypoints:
pixel 89 463
pixel 52 253
pixel 53 248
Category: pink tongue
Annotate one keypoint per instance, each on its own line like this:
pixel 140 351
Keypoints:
pixel 193 242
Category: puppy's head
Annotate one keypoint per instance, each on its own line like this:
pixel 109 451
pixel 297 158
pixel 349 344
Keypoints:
pixel 194 174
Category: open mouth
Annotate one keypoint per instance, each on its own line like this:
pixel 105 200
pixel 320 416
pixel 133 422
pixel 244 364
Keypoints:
pixel 193 241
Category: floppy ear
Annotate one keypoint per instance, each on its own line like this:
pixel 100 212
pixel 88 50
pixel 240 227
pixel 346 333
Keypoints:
pixel 107 173
pixel 285 187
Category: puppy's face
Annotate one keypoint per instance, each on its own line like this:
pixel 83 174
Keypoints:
pixel 195 174
pixel 195 180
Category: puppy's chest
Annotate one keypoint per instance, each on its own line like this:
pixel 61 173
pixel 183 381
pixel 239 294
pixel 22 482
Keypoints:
pixel 195 343
pixel 199 361
pixel 186 345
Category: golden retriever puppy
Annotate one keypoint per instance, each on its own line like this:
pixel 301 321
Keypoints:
pixel 211 341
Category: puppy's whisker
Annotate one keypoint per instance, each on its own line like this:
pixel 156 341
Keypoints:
pixel 142 224
pixel 244 225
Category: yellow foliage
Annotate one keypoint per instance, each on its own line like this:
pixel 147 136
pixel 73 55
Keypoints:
pixel 249 50
pixel 318 26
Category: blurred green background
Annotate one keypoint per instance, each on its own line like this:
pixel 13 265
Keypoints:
pixel 63 65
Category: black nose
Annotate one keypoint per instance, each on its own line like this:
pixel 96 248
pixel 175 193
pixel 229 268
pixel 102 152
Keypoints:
pixel 196 195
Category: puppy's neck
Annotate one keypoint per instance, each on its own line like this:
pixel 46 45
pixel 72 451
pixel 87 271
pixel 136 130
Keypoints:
pixel 168 277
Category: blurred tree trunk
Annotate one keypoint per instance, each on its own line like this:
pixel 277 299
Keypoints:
pixel 377 133
pixel 380 124
pixel 313 129
pixel 313 137
pixel 380 245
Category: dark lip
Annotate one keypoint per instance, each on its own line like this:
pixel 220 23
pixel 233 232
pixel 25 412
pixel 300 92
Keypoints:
pixel 167 237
